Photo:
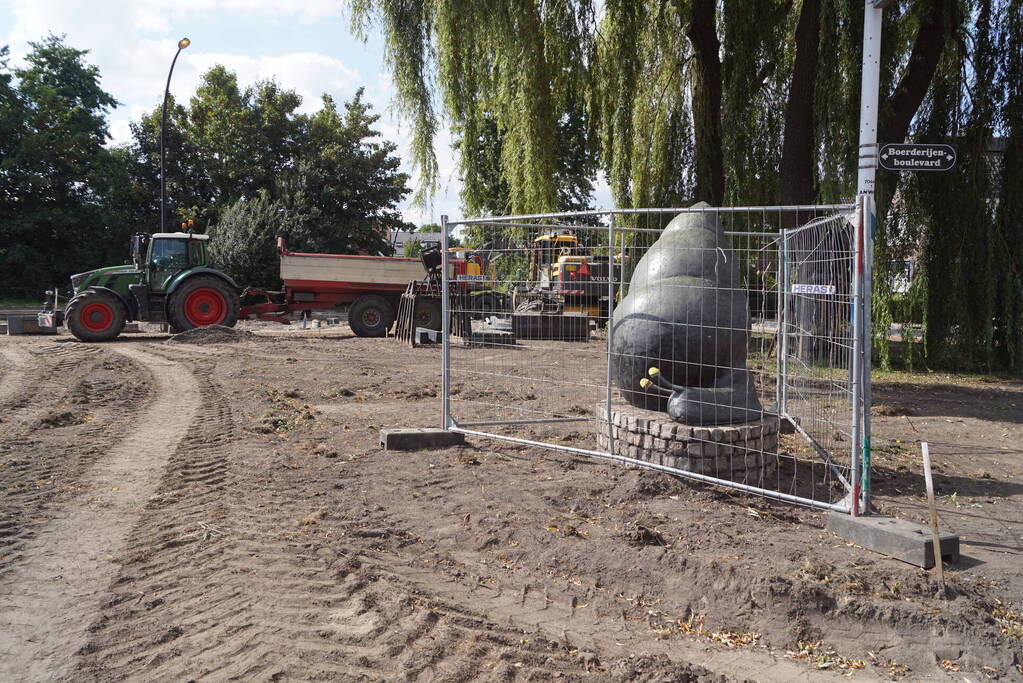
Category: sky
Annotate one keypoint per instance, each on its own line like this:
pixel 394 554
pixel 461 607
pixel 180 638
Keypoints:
pixel 305 45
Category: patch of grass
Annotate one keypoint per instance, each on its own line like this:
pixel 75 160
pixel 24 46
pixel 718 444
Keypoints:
pixel 935 377
pixel 19 303
pixel 209 532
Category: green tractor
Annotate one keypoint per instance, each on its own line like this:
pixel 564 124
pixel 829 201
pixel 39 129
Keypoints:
pixel 168 281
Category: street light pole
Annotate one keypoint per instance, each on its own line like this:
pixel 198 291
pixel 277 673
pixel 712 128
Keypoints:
pixel 182 44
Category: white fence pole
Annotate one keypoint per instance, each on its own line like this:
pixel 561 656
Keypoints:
pixel 445 329
pixel 869 86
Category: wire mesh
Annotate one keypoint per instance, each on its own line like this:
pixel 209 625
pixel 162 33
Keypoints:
pixel 750 315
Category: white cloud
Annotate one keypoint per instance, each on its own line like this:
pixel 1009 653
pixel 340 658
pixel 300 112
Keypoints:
pixel 306 11
pixel 310 74
pixel 131 41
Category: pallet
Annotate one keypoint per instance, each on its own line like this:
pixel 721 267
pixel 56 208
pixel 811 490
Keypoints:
pixel 459 325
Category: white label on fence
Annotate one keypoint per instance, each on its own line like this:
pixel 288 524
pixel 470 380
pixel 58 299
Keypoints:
pixel 475 278
pixel 813 289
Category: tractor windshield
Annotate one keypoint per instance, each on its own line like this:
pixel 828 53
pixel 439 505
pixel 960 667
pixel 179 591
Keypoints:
pixel 169 254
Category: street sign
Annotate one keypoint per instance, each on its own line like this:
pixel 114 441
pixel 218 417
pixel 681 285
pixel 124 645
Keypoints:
pixel 917 157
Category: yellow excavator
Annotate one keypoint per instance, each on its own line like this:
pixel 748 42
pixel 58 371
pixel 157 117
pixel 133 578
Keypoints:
pixel 564 278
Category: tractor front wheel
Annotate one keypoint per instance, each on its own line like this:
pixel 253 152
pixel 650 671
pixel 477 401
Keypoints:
pixel 200 301
pixel 95 316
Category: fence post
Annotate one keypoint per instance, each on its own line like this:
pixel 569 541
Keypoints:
pixel 870 219
pixel 856 371
pixel 610 329
pixel 445 416
pixel 783 330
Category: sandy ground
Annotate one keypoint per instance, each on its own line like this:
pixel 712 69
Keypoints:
pixel 223 511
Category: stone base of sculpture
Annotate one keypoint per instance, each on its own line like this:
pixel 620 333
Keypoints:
pixel 737 452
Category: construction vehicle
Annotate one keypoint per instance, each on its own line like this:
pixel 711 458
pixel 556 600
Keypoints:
pixel 563 278
pixel 168 280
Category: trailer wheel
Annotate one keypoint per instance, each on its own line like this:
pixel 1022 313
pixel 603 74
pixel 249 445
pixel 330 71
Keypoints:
pixel 427 314
pixel 95 316
pixel 203 300
pixel 370 316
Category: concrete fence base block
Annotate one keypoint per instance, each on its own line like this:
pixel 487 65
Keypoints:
pixel 896 538
pixel 27 324
pixel 418 439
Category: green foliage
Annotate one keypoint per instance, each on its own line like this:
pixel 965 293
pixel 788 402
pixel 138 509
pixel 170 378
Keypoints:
pixel 339 197
pixel 52 158
pixel 241 161
pixel 243 242
pixel 412 249
pixel 1008 285
pixel 509 74
pixel 637 86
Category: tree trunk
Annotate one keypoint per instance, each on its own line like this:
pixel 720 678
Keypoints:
pixel 797 176
pixel 702 34
pixel 923 62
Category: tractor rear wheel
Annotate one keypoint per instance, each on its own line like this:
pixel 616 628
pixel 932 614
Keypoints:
pixel 370 316
pixel 203 300
pixel 95 316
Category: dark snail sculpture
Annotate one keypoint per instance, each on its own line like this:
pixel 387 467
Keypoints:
pixel 682 332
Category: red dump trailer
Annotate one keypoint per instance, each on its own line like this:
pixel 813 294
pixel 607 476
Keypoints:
pixel 371 286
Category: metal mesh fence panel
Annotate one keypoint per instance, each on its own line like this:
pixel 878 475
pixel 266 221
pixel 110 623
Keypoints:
pixel 715 344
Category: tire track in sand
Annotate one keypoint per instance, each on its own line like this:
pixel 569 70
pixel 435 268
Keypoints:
pixel 11 382
pixel 48 599
pixel 70 405
pixel 264 601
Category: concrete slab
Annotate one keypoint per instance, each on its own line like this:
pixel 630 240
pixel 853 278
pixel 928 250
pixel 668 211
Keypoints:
pixel 425 335
pixel 896 538
pixel 417 439
pixel 27 324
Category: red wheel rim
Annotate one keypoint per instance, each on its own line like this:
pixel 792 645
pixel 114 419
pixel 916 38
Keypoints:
pixel 205 307
pixel 97 316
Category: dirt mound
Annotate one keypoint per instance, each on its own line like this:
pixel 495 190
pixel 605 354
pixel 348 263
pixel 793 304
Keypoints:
pixel 61 418
pixel 214 334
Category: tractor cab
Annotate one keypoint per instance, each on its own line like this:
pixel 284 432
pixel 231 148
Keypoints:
pixel 166 254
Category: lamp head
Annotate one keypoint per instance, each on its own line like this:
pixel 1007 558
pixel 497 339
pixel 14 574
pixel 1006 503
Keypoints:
pixel 183 43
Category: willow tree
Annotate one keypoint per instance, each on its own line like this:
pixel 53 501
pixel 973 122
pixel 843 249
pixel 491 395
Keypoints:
pixel 744 102
pixel 516 66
